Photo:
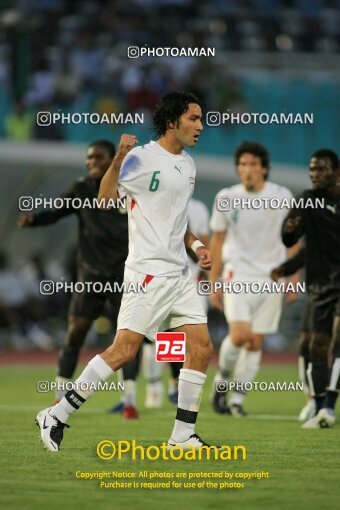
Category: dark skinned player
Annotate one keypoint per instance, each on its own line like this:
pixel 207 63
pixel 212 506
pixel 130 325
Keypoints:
pixel 101 253
pixel 289 267
pixel 321 228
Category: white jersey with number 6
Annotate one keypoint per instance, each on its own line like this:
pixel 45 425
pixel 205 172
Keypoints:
pixel 158 185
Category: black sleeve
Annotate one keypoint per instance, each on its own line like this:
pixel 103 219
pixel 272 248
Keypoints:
pixel 292 238
pixel 294 263
pixel 52 215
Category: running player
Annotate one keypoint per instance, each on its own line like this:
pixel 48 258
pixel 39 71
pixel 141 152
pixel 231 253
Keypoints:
pixel 158 180
pixel 101 254
pixel 321 228
pixel 246 242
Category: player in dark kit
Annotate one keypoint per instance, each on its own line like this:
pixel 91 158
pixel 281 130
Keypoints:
pixel 321 228
pixel 102 250
pixel 289 267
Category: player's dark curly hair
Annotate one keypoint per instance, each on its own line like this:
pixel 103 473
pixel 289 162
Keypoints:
pixel 170 109
pixel 257 150
pixel 327 154
pixel 106 145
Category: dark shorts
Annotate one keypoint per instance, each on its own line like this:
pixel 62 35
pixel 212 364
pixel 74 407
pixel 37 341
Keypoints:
pixel 91 304
pixel 321 309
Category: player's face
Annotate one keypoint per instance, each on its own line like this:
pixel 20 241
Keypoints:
pixel 321 173
pixel 97 161
pixel 189 127
pixel 251 171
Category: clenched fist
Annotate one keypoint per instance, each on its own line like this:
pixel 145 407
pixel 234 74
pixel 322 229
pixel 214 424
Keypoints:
pixel 126 143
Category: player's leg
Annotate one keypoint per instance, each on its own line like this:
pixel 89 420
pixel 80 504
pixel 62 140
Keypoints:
pixel 246 370
pixel 175 369
pixel 53 420
pixel 191 379
pixel 309 409
pixel 326 416
pixel 230 350
pixel 323 309
pixel 318 373
pixel 77 330
pixel 187 315
pixel 128 375
pixel 132 327
pixel 265 311
pixel 238 315
pixel 152 371
pixel 85 307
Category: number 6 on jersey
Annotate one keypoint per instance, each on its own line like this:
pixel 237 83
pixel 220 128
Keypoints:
pixel 154 181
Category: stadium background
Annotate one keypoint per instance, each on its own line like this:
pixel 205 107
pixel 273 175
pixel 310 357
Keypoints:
pixel 71 56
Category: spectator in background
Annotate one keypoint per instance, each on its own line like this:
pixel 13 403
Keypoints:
pixel 67 82
pixel 19 123
pixel 87 59
pixel 24 330
pixel 41 87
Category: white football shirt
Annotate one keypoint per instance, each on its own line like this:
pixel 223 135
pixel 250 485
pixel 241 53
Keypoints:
pixel 253 241
pixel 158 185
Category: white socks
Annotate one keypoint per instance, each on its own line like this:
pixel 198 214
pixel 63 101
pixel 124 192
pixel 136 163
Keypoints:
pixel 97 370
pixel 245 371
pixel 227 359
pixel 63 386
pixel 303 374
pixel 130 392
pixel 153 376
pixel 190 386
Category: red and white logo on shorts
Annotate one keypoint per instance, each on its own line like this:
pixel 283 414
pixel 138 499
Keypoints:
pixel 170 346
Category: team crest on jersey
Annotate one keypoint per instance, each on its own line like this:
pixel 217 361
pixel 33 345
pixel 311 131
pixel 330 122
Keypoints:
pixel 192 183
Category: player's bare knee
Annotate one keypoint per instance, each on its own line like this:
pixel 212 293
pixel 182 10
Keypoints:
pixel 240 339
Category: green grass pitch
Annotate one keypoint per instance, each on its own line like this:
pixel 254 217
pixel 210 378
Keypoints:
pixel 303 465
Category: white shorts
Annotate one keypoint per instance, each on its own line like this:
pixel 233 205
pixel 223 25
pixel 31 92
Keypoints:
pixel 168 303
pixel 261 310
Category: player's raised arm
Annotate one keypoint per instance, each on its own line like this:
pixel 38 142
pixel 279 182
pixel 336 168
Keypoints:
pixel 50 215
pixel 109 183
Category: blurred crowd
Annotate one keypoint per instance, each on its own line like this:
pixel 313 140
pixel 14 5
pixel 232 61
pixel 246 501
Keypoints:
pixel 72 55
pixel 29 319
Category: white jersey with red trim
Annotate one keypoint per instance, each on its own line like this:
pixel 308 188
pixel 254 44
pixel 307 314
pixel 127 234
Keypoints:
pixel 158 185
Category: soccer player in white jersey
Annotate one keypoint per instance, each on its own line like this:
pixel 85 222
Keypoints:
pixel 198 224
pixel 158 180
pixel 246 245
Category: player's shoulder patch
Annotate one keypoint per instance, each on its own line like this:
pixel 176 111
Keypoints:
pixel 130 163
